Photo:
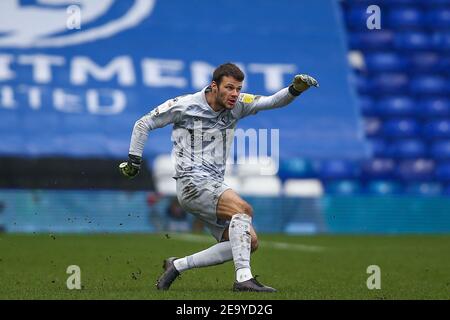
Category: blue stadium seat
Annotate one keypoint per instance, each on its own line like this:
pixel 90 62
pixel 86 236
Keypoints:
pixel 396 106
pixel 416 170
pixel 443 172
pixel 401 2
pixel 438 18
pixel 412 40
pixel 434 107
pixel 427 189
pixel 378 147
pixel 371 39
pixel 383 187
pixel 367 105
pixel 401 128
pixel 425 62
pixel 378 168
pixel 441 41
pixel 444 64
pixel 343 187
pixel 356 17
pixel 385 62
pixel 296 168
pixel 437 3
pixel 373 127
pixel 338 169
pixel 408 149
pixel 390 83
pixel 440 150
pixel 405 17
pixel 428 85
pixel 437 129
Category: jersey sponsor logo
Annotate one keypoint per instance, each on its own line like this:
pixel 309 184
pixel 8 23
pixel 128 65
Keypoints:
pixel 155 112
pixel 247 98
pixel 166 106
pixel 45 21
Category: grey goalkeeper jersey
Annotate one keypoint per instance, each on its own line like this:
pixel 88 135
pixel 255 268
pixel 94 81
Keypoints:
pixel 201 137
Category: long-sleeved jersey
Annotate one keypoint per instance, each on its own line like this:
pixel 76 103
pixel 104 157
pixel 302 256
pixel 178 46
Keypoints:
pixel 201 137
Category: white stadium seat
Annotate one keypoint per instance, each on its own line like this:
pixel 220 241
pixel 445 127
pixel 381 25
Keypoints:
pixel 166 185
pixel 261 186
pixel 163 166
pixel 303 188
pixel 234 182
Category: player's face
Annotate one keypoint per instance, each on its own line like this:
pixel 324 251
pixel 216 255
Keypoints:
pixel 228 92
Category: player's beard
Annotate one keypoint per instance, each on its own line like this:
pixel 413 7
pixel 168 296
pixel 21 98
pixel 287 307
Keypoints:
pixel 222 101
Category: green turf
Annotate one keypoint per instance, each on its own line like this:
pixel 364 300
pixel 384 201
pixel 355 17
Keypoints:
pixel 126 266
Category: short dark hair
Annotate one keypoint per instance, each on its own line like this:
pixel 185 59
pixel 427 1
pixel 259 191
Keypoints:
pixel 227 70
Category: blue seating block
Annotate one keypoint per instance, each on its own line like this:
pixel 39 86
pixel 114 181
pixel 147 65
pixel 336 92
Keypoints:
pixel 416 170
pixel 413 40
pixel 390 83
pixel 371 39
pixel 435 3
pixel 441 41
pixel 383 187
pixel 372 127
pixel 297 168
pixel 437 129
pixel 405 17
pixel 401 128
pixel 428 85
pixel 356 17
pixel 378 147
pixel 427 189
pixel 421 62
pixel 385 61
pixel 396 106
pixel 408 149
pixel 440 150
pixel 343 187
pixel 434 107
pixel 438 18
pixel 378 168
pixel 338 169
pixel 443 172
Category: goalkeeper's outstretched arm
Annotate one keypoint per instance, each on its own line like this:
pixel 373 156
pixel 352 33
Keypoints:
pixel 161 116
pixel 253 104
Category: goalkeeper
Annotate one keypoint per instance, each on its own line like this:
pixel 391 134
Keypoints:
pixel 202 122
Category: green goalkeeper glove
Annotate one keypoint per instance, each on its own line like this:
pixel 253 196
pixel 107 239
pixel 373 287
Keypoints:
pixel 131 168
pixel 302 82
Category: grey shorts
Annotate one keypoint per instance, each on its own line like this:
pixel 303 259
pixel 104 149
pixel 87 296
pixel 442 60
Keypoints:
pixel 200 197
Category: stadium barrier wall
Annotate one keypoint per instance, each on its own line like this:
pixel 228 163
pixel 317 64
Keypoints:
pixel 102 211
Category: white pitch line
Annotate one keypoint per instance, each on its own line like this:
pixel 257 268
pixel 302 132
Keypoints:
pixel 291 246
pixel 266 244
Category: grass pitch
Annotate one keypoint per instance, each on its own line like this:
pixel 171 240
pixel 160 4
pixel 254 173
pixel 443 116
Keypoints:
pixel 126 266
